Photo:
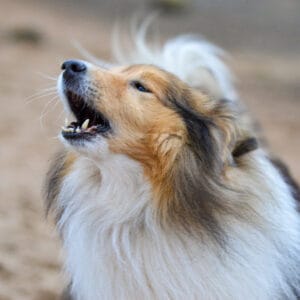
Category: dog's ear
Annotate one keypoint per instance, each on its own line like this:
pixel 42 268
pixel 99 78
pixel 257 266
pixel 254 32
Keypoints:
pixel 245 146
pixel 238 135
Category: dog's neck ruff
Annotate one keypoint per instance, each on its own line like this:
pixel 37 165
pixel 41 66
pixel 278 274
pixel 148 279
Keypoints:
pixel 116 249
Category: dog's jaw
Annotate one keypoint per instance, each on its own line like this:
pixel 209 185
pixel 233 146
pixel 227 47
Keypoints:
pixel 93 144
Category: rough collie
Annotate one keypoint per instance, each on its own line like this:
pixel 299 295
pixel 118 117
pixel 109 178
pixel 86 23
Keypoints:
pixel 162 190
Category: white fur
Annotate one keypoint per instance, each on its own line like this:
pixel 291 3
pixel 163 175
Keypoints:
pixel 116 249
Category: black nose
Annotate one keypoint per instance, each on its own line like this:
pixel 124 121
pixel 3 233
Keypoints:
pixel 73 66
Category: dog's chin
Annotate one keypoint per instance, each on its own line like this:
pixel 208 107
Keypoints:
pixel 96 149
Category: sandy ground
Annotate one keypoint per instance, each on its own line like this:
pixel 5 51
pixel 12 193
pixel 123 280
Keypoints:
pixel 264 41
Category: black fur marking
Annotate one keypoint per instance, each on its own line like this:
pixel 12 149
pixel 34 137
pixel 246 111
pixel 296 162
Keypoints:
pixel 66 295
pixel 285 173
pixel 200 138
pixel 245 146
pixel 197 177
pixel 199 130
pixel 53 180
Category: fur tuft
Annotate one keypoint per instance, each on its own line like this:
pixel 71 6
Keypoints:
pixel 190 57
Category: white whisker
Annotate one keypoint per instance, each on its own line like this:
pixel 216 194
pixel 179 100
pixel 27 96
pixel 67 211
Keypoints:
pixel 60 115
pixel 40 97
pixel 54 137
pixel 40 94
pixel 46 76
pixel 44 111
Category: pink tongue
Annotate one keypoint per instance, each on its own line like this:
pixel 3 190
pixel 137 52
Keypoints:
pixel 91 129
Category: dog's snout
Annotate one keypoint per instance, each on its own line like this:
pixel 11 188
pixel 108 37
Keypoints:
pixel 73 67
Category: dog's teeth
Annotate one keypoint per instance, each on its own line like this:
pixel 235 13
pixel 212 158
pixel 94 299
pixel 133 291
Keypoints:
pixel 85 124
pixel 63 128
pixel 66 122
pixel 78 130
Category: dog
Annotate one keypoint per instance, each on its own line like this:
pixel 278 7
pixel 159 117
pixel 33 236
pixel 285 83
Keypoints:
pixel 163 190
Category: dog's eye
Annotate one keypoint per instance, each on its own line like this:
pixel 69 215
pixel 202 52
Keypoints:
pixel 137 85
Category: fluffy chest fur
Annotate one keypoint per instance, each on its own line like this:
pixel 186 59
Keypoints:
pixel 117 249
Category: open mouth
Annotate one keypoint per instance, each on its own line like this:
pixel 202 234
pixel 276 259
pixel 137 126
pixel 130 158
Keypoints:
pixel 89 122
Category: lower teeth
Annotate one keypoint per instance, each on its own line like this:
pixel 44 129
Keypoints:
pixel 76 129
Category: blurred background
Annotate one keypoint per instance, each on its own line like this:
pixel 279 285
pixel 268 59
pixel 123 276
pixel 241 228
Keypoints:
pixel 262 36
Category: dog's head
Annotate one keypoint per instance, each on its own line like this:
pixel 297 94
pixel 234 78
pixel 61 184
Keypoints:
pixel 183 139
pixel 129 110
